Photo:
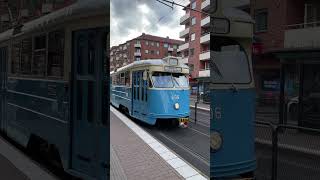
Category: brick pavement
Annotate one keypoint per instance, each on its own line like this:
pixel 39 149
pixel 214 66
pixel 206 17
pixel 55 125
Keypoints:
pixel 136 158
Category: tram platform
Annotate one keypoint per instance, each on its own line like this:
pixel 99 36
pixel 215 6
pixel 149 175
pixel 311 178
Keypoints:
pixel 136 155
pixel 14 165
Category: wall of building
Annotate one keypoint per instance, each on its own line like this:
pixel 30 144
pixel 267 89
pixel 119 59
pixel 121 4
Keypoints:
pixel 117 52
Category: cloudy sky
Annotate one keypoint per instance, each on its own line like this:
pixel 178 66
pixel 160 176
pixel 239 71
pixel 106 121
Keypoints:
pixel 130 18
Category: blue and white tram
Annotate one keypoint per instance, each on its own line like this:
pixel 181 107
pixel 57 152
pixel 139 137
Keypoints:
pixel 153 90
pixel 51 88
pixel 232 91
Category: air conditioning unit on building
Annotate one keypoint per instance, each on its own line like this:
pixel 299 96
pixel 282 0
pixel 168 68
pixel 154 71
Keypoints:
pixel 47 7
pixel 24 13
pixel 5 18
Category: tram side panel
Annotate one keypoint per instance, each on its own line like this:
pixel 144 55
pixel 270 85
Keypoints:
pixel 37 107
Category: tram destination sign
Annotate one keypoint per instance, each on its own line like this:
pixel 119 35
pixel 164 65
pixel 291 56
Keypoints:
pixel 220 26
pixel 173 69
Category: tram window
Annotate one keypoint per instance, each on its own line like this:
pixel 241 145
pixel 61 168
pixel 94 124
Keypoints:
pixel 127 79
pixel 91 55
pixel 15 58
pixel 56 54
pixel 134 85
pixel 138 86
pixel 162 80
pixel 142 87
pixel 26 56
pixel 122 79
pixel 39 59
pixel 40 42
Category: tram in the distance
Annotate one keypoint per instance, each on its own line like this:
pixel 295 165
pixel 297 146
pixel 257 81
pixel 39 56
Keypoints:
pixel 153 91
pixel 51 88
pixel 232 96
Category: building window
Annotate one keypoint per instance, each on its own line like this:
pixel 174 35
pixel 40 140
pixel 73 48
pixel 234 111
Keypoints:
pixel 147 43
pixel 146 51
pixel 193 21
pixel 191 52
pixel 261 17
pixel 193 5
pixel 152 43
pixel 152 52
pixel 158 44
pixel 175 46
pixel 191 67
pixel 138 41
pixel 56 54
pixel 165 45
pixel 137 58
pixel 193 37
pixel 158 52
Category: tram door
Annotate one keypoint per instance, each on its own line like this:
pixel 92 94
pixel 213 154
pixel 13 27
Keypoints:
pixel 89 134
pixel 139 92
pixel 3 86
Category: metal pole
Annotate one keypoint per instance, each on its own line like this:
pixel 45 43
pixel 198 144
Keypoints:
pixel 300 103
pixel 274 152
pixel 196 104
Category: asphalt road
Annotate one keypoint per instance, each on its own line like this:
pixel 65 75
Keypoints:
pixel 292 164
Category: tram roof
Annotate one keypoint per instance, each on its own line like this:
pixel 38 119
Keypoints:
pixel 147 62
pixel 237 14
pixel 81 8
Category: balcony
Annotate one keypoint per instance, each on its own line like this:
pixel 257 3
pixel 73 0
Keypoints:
pixel 205 5
pixel 47 8
pixel 205 39
pixel 117 58
pixel 183 19
pixel 170 49
pixel 204 56
pixel 137 45
pixel 137 53
pixel 184 33
pixel 185 60
pixel 205 22
pixel 305 35
pixel 125 56
pixel 204 73
pixel 183 47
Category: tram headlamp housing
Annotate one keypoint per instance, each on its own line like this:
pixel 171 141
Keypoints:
pixel 176 106
pixel 215 141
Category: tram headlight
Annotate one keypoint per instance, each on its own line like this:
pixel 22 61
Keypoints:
pixel 177 106
pixel 215 140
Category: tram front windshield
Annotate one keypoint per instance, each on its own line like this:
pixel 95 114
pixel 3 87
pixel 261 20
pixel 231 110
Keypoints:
pixel 169 80
pixel 229 64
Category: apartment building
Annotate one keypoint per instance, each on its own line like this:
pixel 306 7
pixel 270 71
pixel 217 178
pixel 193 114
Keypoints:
pixel 13 12
pixel 195 50
pixel 143 47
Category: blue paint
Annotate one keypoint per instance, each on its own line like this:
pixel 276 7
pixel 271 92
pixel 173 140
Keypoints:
pixel 237 155
pixel 159 105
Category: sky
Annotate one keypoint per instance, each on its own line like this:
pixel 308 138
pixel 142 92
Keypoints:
pixel 131 18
